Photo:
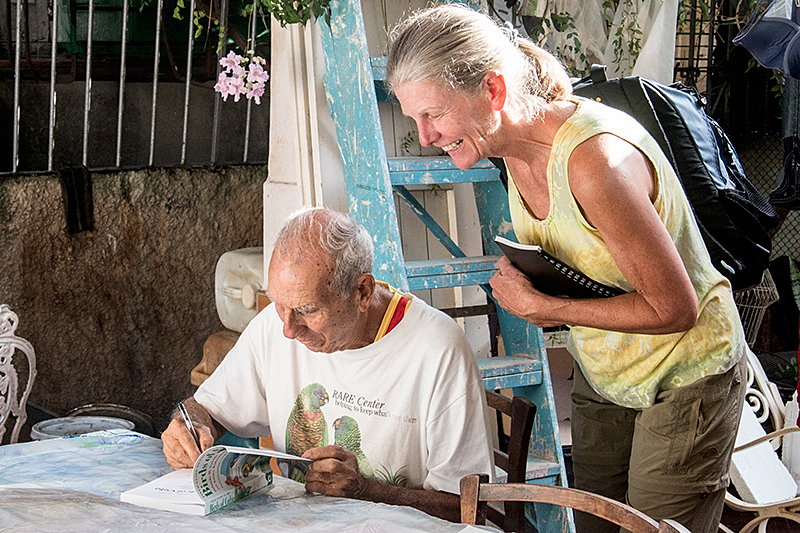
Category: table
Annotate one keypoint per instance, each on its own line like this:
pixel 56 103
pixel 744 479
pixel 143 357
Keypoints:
pixel 73 484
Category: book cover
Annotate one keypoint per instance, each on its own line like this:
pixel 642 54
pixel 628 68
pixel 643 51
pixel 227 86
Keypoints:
pixel 551 276
pixel 221 475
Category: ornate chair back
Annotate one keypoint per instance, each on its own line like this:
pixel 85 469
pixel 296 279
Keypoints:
pixel 13 400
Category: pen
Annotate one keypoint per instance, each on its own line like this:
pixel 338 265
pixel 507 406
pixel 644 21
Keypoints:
pixel 188 422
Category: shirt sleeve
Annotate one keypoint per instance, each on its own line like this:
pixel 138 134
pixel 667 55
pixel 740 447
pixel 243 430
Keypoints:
pixel 234 394
pixel 459 443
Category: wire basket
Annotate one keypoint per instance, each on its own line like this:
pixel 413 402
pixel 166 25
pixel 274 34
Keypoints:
pixel 752 304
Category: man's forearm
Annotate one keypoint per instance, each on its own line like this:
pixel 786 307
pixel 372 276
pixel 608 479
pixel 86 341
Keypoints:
pixel 436 503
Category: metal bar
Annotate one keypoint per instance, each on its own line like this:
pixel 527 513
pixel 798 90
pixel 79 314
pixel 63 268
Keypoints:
pixel 221 49
pixel 122 58
pixel 52 124
pixel 691 79
pixel 17 76
pixel 87 98
pixel 712 15
pixel 188 81
pixel 155 81
pixel 254 20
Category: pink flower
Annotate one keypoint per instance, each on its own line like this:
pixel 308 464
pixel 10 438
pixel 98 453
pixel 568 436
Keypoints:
pixel 231 62
pixel 257 74
pixel 255 92
pixel 223 86
pixel 236 88
pixel 242 76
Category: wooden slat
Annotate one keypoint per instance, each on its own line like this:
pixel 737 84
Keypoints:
pixel 456 272
pixel 459 265
pixel 536 469
pixel 508 365
pixel 509 372
pixel 437 170
pixel 378 64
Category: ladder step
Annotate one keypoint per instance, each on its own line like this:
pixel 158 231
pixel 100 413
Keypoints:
pixel 378 64
pixel 454 272
pixel 510 371
pixel 546 472
pixel 435 170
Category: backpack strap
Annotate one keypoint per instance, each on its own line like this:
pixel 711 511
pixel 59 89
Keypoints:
pixel 598 73
pixel 499 163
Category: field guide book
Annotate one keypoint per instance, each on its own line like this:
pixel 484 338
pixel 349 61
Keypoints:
pixel 551 276
pixel 221 475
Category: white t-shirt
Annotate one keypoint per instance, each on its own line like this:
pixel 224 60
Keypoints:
pixel 415 396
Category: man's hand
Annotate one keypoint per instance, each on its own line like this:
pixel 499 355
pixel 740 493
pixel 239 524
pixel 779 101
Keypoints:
pixel 334 472
pixel 178 444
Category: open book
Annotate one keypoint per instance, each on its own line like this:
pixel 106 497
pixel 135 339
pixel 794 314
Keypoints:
pixel 551 276
pixel 221 475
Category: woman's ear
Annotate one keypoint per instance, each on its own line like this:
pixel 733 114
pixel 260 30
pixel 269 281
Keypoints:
pixel 495 83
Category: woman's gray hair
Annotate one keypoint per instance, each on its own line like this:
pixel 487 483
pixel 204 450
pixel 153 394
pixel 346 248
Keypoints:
pixel 315 229
pixel 456 47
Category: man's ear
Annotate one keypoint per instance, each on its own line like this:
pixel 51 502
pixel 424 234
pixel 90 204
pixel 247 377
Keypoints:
pixel 364 291
pixel 495 84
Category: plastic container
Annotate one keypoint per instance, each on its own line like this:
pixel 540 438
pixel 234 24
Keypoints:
pixel 239 275
pixel 76 425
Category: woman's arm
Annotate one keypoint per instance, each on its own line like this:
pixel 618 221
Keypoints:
pixel 612 182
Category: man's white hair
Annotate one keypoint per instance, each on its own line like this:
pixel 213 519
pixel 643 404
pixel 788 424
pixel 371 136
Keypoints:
pixel 315 229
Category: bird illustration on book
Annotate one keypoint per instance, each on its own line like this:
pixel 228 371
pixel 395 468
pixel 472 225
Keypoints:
pixel 306 427
pixel 347 435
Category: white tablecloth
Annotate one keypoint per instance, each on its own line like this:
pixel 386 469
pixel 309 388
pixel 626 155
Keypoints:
pixel 73 484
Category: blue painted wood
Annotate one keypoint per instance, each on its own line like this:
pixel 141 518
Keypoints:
pixel 378 64
pixel 351 82
pixel 350 92
pixel 536 471
pixel 508 365
pixel 455 272
pixel 437 170
pixel 456 265
pixel 520 336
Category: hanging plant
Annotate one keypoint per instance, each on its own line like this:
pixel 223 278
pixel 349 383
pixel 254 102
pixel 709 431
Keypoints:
pixel 242 76
pixel 298 11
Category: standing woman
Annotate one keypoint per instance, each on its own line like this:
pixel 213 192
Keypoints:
pixel 659 373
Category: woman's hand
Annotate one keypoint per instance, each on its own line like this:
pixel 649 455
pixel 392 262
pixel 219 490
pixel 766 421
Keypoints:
pixel 516 294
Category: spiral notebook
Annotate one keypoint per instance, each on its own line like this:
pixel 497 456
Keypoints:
pixel 551 276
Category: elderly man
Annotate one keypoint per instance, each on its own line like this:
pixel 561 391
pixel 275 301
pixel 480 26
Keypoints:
pixel 379 389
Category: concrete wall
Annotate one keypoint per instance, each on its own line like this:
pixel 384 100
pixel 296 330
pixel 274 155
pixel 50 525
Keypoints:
pixel 120 314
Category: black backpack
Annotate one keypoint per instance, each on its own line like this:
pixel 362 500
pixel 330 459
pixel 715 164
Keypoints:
pixel 734 218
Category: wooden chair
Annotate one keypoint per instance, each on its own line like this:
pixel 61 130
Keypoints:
pixel 12 401
pixel 514 461
pixel 476 491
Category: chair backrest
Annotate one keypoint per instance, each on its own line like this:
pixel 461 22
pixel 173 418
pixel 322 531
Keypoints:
pixel 12 402
pixel 513 460
pixel 476 491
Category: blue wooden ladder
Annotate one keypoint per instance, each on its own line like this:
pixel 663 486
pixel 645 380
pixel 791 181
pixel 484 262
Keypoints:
pixel 372 180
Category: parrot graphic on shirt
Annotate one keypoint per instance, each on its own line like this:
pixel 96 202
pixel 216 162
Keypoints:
pixel 306 427
pixel 347 435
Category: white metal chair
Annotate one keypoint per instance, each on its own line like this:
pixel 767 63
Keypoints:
pixel 764 484
pixel 12 401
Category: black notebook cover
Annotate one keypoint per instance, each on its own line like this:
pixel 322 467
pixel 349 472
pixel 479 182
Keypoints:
pixel 551 276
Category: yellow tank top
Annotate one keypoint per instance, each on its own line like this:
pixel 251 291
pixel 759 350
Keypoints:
pixel 630 369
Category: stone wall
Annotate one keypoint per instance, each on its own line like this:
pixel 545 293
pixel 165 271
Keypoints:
pixel 120 314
